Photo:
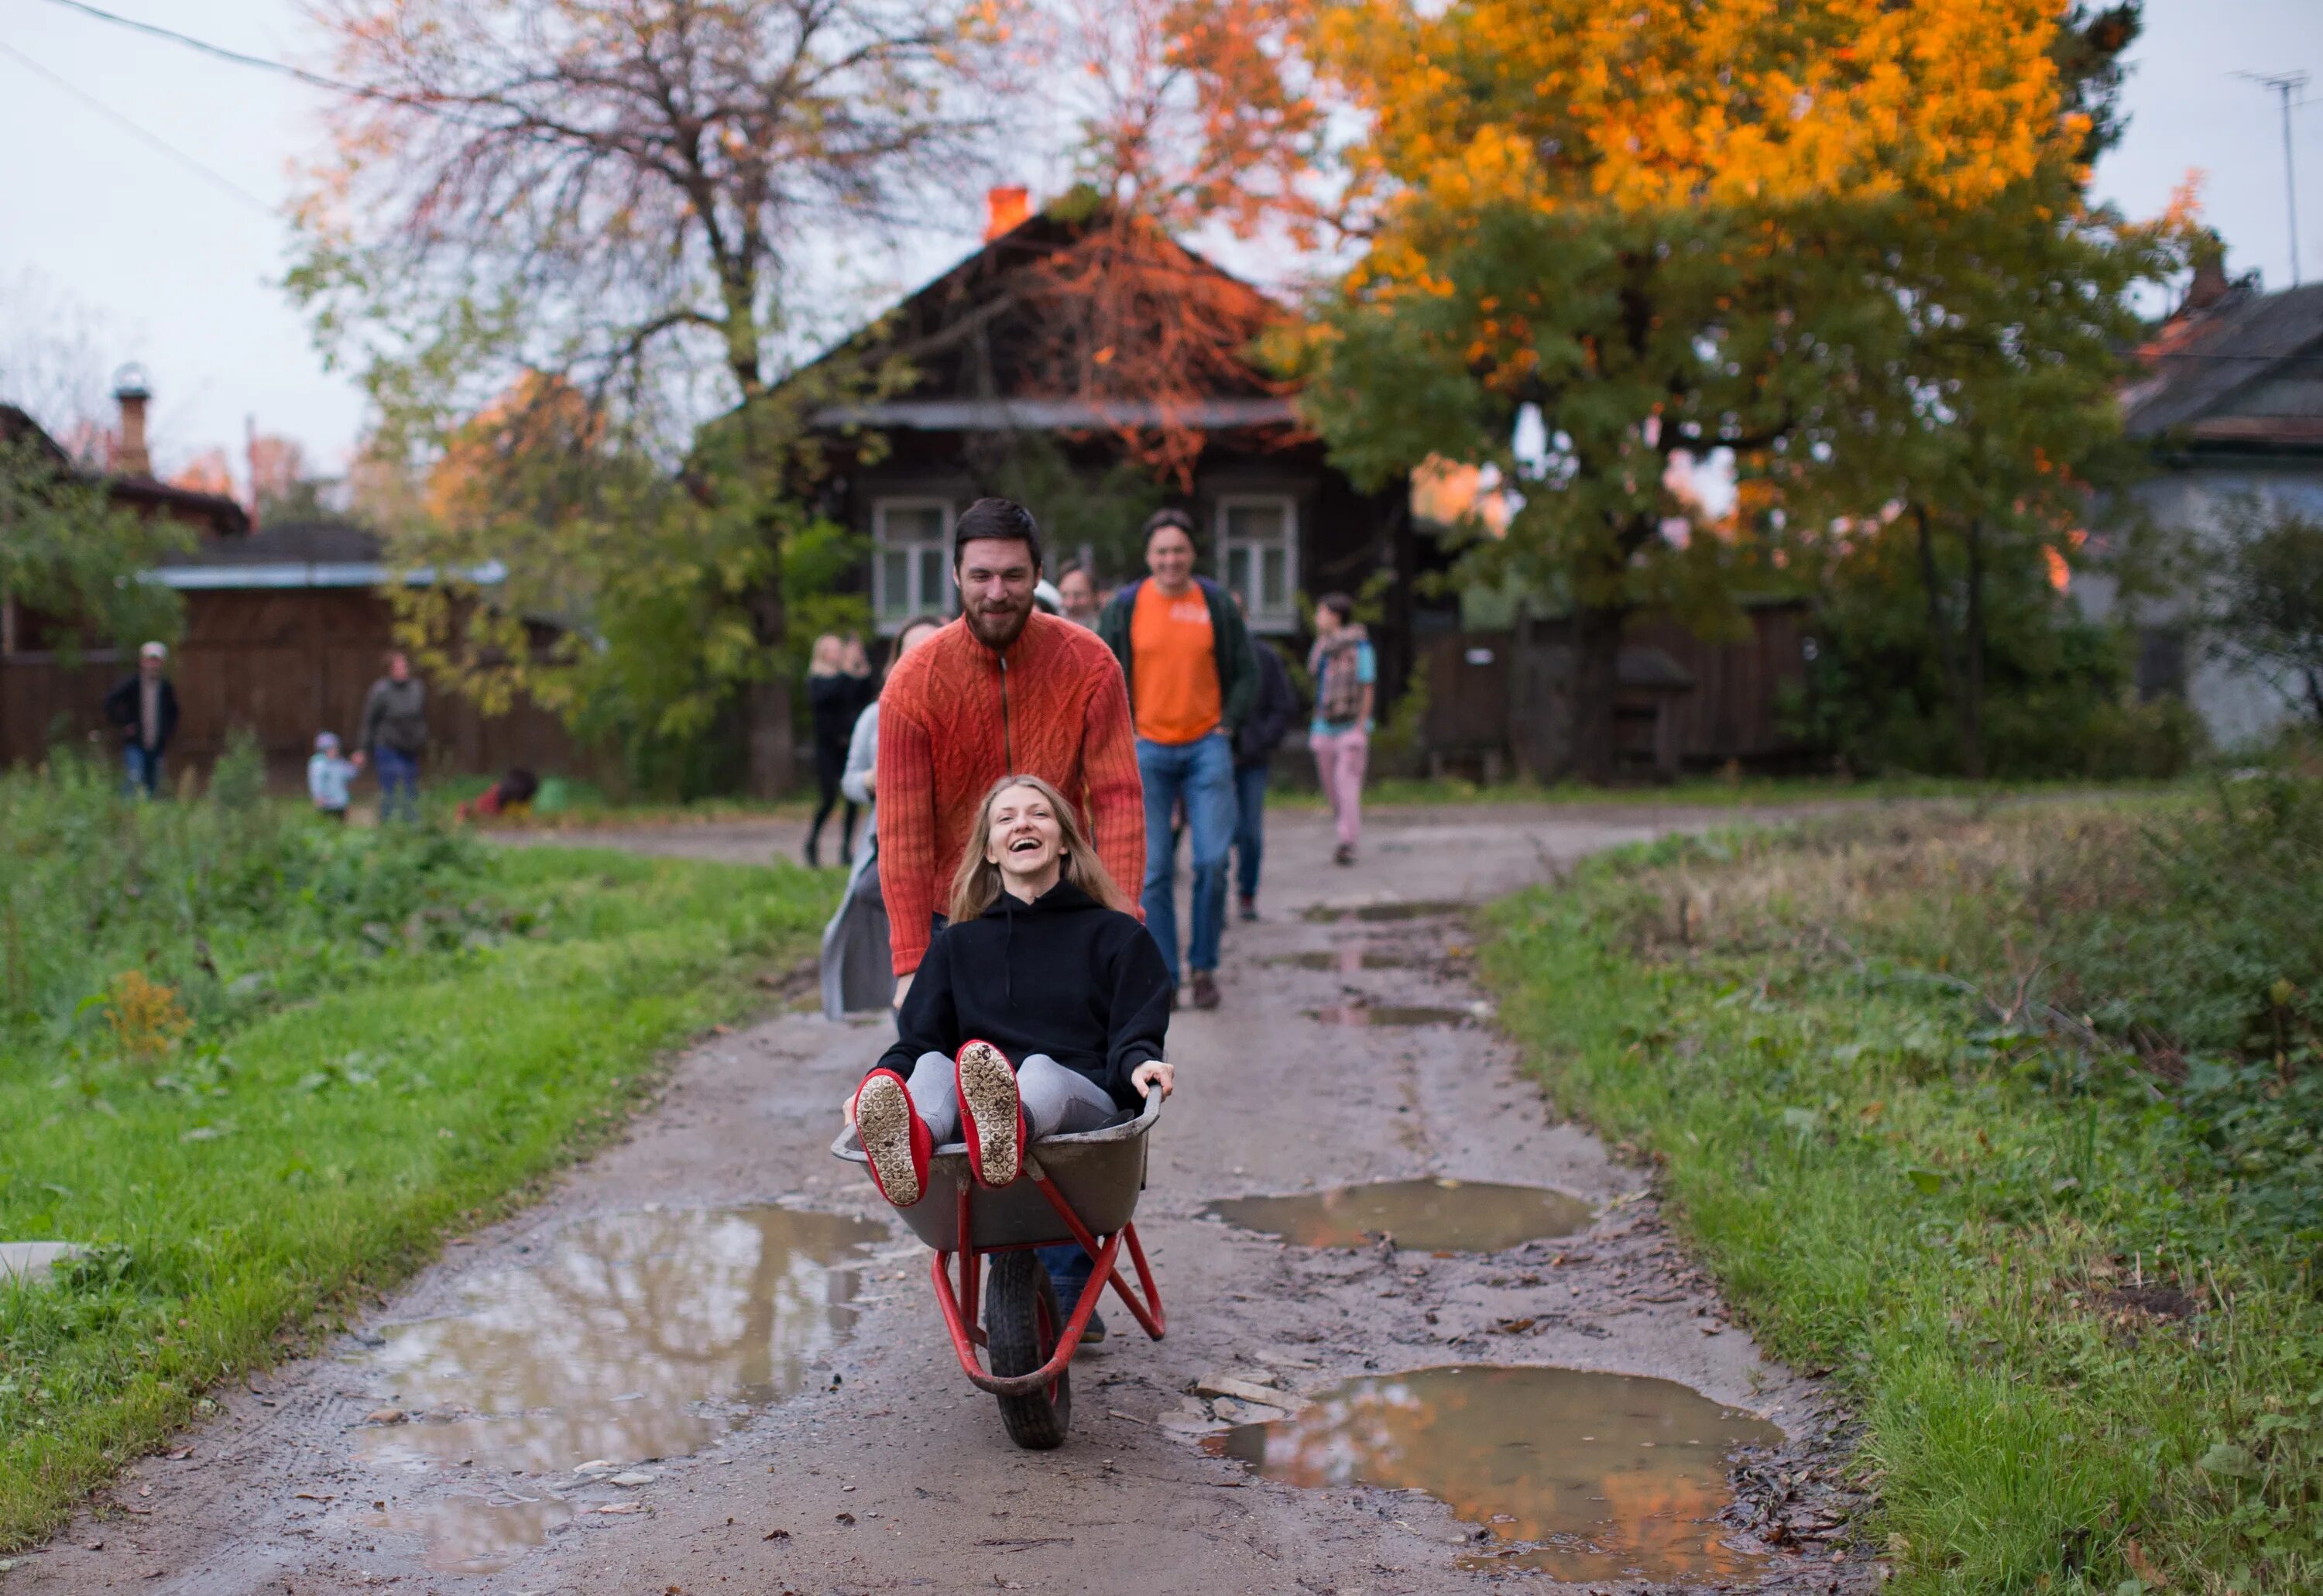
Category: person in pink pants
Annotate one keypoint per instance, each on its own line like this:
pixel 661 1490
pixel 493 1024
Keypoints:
pixel 1346 676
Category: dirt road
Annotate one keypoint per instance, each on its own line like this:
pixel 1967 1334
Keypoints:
pixel 722 1320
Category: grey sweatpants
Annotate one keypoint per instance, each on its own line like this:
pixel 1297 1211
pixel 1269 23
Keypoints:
pixel 1057 1101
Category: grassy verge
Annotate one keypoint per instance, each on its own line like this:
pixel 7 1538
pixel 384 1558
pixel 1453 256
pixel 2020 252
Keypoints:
pixel 2013 1126
pixel 296 1110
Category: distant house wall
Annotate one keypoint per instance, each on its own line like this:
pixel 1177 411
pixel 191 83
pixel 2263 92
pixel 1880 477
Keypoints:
pixel 2237 706
pixel 1274 526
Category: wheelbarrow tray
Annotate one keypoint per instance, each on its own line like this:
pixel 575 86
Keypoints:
pixel 1100 1173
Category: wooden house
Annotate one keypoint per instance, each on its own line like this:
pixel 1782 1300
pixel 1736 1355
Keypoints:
pixel 1118 345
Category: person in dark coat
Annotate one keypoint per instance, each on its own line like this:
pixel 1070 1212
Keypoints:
pixel 393 736
pixel 1272 715
pixel 838 687
pixel 145 708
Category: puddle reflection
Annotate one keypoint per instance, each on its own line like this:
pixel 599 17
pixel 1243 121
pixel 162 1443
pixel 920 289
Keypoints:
pixel 475 1535
pixel 1353 959
pixel 1582 1476
pixel 637 1335
pixel 1428 909
pixel 1390 1013
pixel 1441 1216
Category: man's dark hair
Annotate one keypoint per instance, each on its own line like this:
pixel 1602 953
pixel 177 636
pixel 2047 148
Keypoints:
pixel 1001 518
pixel 1170 518
pixel 1338 604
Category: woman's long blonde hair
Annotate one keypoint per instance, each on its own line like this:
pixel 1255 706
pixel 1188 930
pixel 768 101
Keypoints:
pixel 976 886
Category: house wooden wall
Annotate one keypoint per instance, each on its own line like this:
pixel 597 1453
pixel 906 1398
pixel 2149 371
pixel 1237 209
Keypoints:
pixel 286 663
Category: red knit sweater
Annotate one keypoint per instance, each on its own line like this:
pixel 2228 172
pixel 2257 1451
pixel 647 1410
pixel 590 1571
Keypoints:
pixel 955 718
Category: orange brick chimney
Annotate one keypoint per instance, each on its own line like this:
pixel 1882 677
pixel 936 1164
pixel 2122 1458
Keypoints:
pixel 1005 209
pixel 131 458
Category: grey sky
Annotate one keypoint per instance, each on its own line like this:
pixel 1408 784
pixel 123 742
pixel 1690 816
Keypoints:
pixel 179 272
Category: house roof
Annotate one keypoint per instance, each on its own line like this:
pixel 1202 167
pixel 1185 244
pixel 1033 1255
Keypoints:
pixel 2243 372
pixel 299 555
pixel 225 516
pixel 16 424
pixel 994 344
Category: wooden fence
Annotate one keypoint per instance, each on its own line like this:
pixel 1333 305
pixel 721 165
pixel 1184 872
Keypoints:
pixel 1495 699
pixel 286 664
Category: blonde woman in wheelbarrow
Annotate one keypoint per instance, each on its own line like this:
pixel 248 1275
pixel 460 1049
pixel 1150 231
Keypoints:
pixel 1040 1009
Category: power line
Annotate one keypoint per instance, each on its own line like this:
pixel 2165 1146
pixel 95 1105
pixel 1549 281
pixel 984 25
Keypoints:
pixel 221 52
pixel 155 140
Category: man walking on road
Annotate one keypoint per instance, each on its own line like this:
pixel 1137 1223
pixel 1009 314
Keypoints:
pixel 145 707
pixel 393 735
pixel 1274 708
pixel 1186 655
pixel 1003 691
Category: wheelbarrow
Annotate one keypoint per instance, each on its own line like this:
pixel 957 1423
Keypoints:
pixel 1075 1188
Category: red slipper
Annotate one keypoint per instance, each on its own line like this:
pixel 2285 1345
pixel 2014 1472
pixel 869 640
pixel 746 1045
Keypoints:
pixel 991 1114
pixel 895 1136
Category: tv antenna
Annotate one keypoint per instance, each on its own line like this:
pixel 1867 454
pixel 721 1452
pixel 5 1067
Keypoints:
pixel 2285 84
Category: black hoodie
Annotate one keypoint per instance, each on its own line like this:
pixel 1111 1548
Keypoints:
pixel 1063 976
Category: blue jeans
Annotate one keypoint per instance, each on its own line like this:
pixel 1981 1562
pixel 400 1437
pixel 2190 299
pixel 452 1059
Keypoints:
pixel 142 773
pixel 1201 774
pixel 1069 1269
pixel 398 783
pixel 1250 825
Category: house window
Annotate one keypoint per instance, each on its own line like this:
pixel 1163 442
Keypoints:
pixel 1258 551
pixel 910 568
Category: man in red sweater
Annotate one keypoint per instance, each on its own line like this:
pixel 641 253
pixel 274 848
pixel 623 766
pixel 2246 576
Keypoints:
pixel 1003 691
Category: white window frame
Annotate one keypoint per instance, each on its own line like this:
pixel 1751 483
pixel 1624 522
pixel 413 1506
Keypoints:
pixel 890 621
pixel 1277 623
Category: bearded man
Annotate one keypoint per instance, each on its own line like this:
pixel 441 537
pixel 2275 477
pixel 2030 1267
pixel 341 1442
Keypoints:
pixel 1003 691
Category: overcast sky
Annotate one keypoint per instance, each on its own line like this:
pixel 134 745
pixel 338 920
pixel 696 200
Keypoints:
pixel 178 269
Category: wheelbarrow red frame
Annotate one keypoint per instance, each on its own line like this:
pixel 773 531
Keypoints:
pixel 958 1304
pixel 1075 1188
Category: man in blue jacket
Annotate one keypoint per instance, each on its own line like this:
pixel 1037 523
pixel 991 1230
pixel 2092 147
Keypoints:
pixel 1192 679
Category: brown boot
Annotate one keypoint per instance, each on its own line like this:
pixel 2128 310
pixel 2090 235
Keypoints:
pixel 1206 990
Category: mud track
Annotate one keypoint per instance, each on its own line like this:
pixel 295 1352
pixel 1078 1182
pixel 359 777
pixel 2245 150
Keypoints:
pixel 886 1471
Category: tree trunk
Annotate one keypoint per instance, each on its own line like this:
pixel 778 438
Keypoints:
pixel 1956 670
pixel 772 769
pixel 1595 753
pixel 1971 705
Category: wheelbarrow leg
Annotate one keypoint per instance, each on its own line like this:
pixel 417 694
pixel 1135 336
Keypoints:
pixel 1147 1313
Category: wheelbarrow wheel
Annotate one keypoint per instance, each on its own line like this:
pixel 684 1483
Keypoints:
pixel 1021 1322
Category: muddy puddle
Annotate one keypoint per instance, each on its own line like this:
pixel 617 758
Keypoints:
pixel 636 1336
pixel 1440 1215
pixel 1582 1476
pixel 1353 959
pixel 1390 1013
pixel 1373 914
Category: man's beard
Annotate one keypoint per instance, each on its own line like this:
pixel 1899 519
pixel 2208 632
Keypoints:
pixel 997 630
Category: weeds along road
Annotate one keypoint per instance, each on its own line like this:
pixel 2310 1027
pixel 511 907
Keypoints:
pixel 723 1320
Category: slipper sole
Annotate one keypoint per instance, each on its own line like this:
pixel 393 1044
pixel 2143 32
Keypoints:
pixel 883 1123
pixel 987 1086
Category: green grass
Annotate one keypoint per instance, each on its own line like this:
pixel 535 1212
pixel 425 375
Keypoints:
pixel 310 1139
pixel 2010 1124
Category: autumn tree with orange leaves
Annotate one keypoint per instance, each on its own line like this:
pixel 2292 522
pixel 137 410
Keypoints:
pixel 1804 234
